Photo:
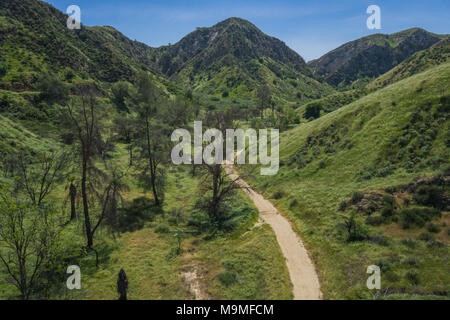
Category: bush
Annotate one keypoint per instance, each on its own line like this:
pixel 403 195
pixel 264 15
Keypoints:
pixel 374 220
pixel 357 197
pixel 356 231
pixel 162 228
pixel 410 243
pixel 52 88
pixel 412 261
pixel 378 239
pixel 431 227
pixel 293 203
pixel 413 277
pixel 425 236
pixel 431 196
pixel 417 216
pixel 387 211
pixel 227 278
pixel 342 206
pixel 133 216
pixel 312 110
pixel 384 265
pixel 278 195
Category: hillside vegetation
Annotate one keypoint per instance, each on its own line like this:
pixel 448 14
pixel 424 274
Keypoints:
pixel 371 146
pixel 371 56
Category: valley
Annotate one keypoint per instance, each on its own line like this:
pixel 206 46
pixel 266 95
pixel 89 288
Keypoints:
pixel 87 174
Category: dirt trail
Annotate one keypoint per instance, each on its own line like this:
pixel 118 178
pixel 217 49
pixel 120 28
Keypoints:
pixel 301 269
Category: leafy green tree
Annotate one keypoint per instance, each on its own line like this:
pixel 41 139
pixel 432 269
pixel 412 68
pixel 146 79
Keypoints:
pixel 52 88
pixel 312 110
pixel 120 91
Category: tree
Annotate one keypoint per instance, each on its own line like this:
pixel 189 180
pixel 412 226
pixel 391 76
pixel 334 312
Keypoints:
pixel 264 96
pixel 125 128
pixel 84 121
pixel 113 194
pixel 147 98
pixel 38 178
pixel 73 196
pixel 52 88
pixel 29 240
pixel 119 92
pixel 215 184
pixel 312 110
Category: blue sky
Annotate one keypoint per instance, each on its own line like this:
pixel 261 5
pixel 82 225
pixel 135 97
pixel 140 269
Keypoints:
pixel 311 28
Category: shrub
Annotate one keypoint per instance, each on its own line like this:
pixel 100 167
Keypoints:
pixel 388 200
pixel 431 196
pixel 293 203
pixel 312 110
pixel 52 88
pixel 384 265
pixel 417 216
pixel 374 220
pixel 378 239
pixel 322 164
pixel 413 277
pixel 162 228
pixel 227 278
pixel 342 206
pixel 357 197
pixel 425 236
pixel 410 243
pixel 412 261
pixel 431 227
pixel 133 216
pixel 390 189
pixel 278 195
pixel 387 211
pixel 356 231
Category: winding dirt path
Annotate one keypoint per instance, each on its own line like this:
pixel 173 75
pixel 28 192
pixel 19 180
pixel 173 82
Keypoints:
pixel 301 270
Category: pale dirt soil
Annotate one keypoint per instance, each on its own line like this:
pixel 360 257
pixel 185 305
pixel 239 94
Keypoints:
pixel 301 270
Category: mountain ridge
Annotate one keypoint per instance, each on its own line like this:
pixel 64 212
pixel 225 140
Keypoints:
pixel 371 56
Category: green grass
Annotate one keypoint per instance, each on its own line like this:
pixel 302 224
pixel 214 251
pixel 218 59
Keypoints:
pixel 155 271
pixel 368 126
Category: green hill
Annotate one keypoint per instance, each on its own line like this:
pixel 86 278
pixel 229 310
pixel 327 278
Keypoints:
pixel 380 142
pixel 420 61
pixel 370 56
pixel 232 58
pixel 34 37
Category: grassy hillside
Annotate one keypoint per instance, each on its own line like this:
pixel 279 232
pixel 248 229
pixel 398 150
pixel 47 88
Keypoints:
pixel 383 140
pixel 370 56
pixel 420 61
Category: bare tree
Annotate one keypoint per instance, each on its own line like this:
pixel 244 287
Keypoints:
pixel 264 96
pixel 146 100
pixel 84 121
pixel 215 181
pixel 39 177
pixel 28 242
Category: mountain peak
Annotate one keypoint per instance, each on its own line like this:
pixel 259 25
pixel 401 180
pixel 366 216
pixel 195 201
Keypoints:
pixel 233 37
